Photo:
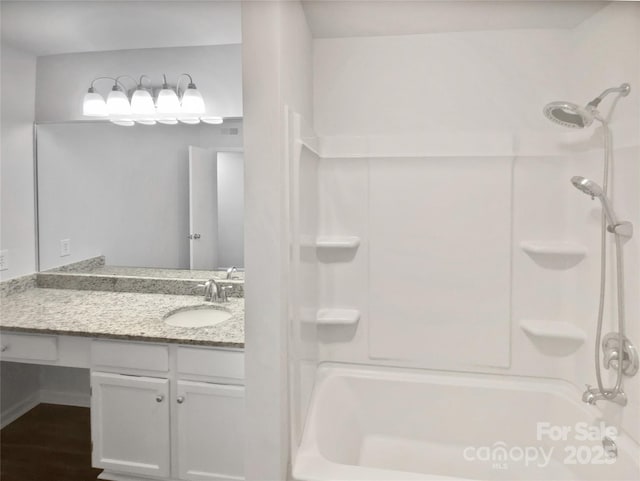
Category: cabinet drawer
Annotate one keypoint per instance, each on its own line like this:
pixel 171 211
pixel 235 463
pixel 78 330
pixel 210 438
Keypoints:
pixel 129 355
pixel 17 347
pixel 213 363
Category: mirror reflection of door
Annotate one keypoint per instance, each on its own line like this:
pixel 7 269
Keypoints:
pixel 203 208
pixel 230 209
pixel 216 208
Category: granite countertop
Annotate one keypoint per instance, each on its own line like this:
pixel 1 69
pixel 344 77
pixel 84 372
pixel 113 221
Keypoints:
pixel 116 315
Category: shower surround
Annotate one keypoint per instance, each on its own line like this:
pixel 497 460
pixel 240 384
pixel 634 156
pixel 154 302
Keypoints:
pixel 444 238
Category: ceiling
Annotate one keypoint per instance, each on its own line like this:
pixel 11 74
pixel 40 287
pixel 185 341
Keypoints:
pixel 54 27
pixel 328 19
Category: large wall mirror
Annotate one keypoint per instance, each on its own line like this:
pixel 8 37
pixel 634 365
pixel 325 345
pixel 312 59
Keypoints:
pixel 162 196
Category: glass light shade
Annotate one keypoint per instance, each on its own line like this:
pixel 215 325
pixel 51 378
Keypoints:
pixel 168 120
pixel 142 103
pixel 94 105
pixel 192 102
pixel 123 122
pixel 118 103
pixel 212 120
pixel 168 102
pixel 189 120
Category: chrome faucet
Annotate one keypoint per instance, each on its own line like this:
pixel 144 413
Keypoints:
pixel 230 271
pixel 213 291
pixel 609 447
pixel 592 395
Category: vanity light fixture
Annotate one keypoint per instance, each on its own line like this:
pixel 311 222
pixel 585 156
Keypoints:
pixel 142 104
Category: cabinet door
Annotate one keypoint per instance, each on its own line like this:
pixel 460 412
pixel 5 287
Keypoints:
pixel 130 424
pixel 210 422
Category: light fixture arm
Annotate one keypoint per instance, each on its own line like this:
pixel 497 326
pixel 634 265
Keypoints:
pixel 623 90
pixel 142 77
pixel 191 85
pixel 165 85
pixel 92 88
pixel 121 85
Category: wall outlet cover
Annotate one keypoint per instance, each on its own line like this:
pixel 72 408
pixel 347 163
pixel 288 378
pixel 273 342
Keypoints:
pixel 65 247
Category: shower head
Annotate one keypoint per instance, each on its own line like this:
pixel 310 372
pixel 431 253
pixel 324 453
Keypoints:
pixel 575 116
pixel 569 114
pixel 589 187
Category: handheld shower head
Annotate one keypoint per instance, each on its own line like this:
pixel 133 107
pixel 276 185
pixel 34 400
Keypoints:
pixel 589 187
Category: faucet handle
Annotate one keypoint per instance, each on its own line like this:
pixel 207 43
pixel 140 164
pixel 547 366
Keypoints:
pixel 224 296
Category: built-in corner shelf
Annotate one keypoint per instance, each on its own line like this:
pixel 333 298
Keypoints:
pixel 554 254
pixel 337 317
pixel 554 330
pixel 337 242
pixel 554 248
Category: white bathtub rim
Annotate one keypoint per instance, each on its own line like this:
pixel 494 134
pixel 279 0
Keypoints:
pixel 311 465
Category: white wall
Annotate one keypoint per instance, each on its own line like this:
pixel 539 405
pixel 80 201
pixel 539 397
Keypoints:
pixel 443 82
pixel 16 171
pixel 62 80
pixel 276 72
pixel 121 192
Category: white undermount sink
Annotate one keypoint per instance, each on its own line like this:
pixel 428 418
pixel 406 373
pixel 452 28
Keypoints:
pixel 197 316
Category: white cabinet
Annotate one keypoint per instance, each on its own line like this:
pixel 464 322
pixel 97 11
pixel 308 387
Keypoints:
pixel 130 424
pixel 163 412
pixel 210 427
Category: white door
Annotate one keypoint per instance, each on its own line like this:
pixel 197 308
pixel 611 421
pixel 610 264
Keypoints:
pixel 203 208
pixel 130 424
pixel 210 431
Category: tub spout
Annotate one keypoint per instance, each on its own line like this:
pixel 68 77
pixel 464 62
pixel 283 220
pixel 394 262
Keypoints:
pixel 592 395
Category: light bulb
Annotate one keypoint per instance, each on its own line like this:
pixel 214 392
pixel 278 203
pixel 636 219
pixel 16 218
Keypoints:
pixel 94 105
pixel 192 101
pixel 123 122
pixel 142 103
pixel 118 103
pixel 146 121
pixel 167 102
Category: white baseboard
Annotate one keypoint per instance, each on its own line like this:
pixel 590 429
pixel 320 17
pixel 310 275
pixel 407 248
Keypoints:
pixel 10 414
pixel 65 398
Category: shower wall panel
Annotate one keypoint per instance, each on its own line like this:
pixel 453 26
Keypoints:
pixel 440 269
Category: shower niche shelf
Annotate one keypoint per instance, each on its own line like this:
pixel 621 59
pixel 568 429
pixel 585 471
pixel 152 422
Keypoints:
pixel 554 330
pixel 554 254
pixel 337 242
pixel 337 317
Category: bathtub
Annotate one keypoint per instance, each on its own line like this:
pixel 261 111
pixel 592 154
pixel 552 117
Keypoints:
pixel 390 424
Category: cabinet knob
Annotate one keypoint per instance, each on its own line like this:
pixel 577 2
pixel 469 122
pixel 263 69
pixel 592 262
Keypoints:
pixel 159 398
pixel 4 347
pixel 180 399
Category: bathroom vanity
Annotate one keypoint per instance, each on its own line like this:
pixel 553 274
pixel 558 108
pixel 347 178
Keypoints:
pixel 167 402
